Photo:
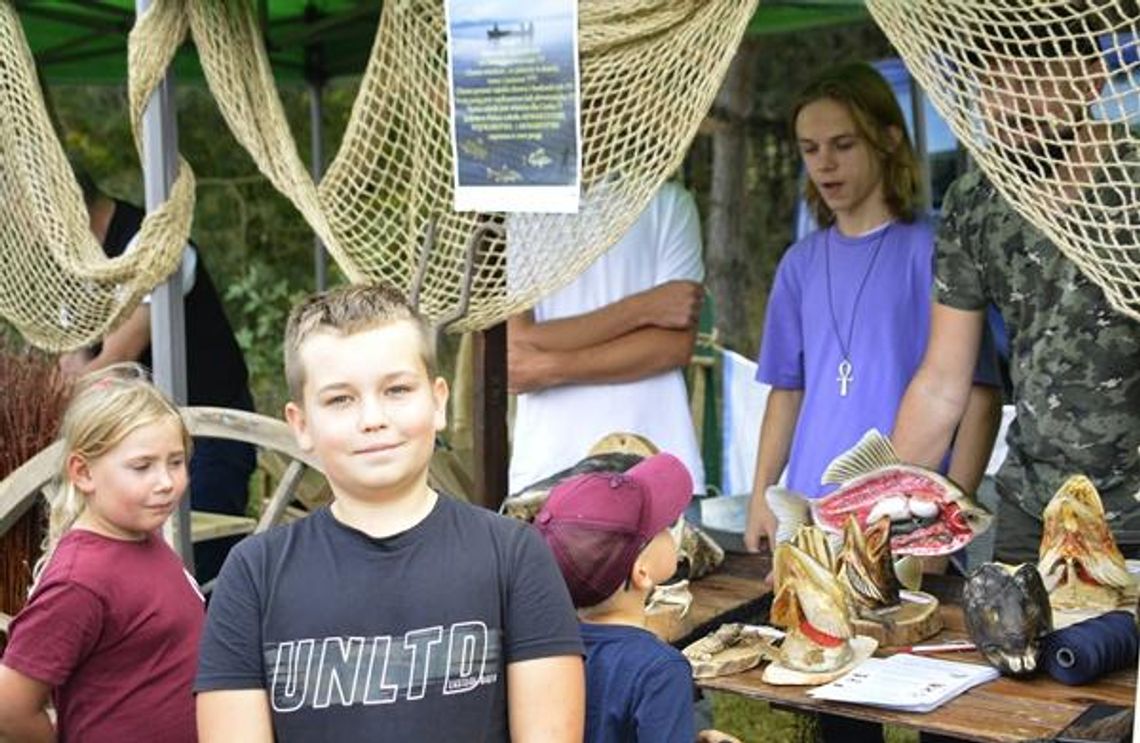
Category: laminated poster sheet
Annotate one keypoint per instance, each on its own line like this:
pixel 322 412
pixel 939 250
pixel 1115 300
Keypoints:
pixel 515 113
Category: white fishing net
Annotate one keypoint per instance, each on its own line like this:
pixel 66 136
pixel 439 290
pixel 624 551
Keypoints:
pixel 1045 95
pixel 649 71
pixel 56 285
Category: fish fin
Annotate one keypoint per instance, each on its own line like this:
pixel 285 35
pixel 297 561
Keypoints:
pixel 908 570
pixel 873 452
pixel 835 542
pixel 791 510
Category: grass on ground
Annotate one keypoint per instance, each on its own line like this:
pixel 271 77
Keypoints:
pixel 753 721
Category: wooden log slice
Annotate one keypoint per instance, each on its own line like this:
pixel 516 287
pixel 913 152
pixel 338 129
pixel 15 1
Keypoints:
pixel 915 619
pixel 729 651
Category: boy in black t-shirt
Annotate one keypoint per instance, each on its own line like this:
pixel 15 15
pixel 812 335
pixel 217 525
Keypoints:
pixel 395 613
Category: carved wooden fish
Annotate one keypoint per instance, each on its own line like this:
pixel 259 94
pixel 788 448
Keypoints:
pixel 865 569
pixel 1079 561
pixel 811 604
pixel 929 515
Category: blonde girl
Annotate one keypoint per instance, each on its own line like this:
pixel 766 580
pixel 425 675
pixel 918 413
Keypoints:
pixel 110 632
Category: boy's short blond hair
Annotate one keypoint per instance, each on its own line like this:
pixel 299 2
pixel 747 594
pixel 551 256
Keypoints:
pixel 347 310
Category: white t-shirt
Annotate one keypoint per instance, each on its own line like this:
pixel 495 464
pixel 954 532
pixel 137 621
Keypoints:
pixel 555 428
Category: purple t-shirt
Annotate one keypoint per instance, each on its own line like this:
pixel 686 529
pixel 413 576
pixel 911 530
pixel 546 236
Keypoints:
pixel 800 348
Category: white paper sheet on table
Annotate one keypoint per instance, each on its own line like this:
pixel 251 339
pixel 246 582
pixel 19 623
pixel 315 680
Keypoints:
pixel 905 682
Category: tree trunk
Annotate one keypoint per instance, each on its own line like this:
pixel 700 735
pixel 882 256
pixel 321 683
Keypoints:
pixel 726 251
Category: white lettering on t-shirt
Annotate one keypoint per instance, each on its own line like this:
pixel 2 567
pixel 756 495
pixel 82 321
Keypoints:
pixel 333 671
pixel 415 641
pixel 350 671
pixel 377 678
pixel 468 646
pixel 298 657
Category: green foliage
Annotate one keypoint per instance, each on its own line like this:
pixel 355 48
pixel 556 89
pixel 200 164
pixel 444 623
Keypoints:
pixel 256 246
pixel 264 300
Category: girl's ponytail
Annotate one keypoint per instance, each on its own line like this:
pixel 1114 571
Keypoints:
pixel 65 505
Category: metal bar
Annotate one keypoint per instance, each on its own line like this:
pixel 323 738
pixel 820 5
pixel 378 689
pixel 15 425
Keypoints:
pixel 317 167
pixel 83 20
pixel 474 244
pixel 489 422
pixel 918 114
pixel 310 32
pixel 167 321
pixel 420 275
pixel 82 48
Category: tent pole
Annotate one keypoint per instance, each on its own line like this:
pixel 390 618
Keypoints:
pixel 317 167
pixel 918 114
pixel 167 321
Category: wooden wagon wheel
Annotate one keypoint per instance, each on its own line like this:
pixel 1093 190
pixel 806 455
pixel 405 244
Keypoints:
pixel 19 490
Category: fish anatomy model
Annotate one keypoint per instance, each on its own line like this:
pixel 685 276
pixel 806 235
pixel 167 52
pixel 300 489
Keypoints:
pixel 929 515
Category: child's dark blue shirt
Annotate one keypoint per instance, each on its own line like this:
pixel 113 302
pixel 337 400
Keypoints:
pixel 637 687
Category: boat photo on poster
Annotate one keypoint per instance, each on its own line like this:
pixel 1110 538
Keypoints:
pixel 514 90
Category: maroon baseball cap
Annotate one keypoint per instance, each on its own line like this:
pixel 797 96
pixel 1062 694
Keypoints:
pixel 597 524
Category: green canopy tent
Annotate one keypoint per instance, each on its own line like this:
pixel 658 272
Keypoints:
pixel 85 41
pixel 309 42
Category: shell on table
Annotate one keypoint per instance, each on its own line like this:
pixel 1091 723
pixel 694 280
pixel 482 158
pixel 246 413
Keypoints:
pixel 731 649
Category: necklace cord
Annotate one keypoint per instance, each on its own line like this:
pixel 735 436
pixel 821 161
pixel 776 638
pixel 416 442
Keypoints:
pixel 844 347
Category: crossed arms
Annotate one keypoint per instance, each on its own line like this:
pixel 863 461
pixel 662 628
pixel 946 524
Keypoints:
pixel 636 337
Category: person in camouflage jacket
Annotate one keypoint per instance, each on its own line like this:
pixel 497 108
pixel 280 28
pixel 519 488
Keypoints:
pixel 1074 364
pixel 1074 360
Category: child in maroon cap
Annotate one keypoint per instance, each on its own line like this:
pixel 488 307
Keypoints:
pixel 610 535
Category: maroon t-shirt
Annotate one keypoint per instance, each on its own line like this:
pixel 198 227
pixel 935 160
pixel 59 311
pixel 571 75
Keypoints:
pixel 113 626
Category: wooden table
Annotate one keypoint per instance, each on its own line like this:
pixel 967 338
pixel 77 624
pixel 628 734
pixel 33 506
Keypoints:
pixel 736 583
pixel 1002 710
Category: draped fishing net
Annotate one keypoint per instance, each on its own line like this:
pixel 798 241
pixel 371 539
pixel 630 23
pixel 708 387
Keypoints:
pixel 649 71
pixel 56 285
pixel 1045 95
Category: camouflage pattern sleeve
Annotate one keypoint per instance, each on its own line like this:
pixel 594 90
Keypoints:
pixel 958 279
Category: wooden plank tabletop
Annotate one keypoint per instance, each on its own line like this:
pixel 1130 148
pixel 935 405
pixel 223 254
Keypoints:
pixel 1002 711
pixel 735 583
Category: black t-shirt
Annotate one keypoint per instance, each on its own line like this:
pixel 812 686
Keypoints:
pixel 404 638
pixel 215 369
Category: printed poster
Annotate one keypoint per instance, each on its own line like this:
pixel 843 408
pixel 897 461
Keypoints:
pixel 516 140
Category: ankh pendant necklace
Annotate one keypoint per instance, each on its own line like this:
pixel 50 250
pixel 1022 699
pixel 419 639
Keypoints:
pixel 845 369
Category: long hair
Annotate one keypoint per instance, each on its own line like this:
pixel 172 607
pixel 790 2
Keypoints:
pixel 874 109
pixel 105 407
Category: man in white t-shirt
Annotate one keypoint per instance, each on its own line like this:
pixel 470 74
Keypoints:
pixel 604 354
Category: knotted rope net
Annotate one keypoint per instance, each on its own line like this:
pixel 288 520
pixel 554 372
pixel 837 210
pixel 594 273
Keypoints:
pixel 649 71
pixel 56 285
pixel 1045 95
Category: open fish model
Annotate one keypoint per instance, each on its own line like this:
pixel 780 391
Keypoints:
pixel 1007 613
pixel 865 569
pixel 929 515
pixel 1080 564
pixel 811 604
